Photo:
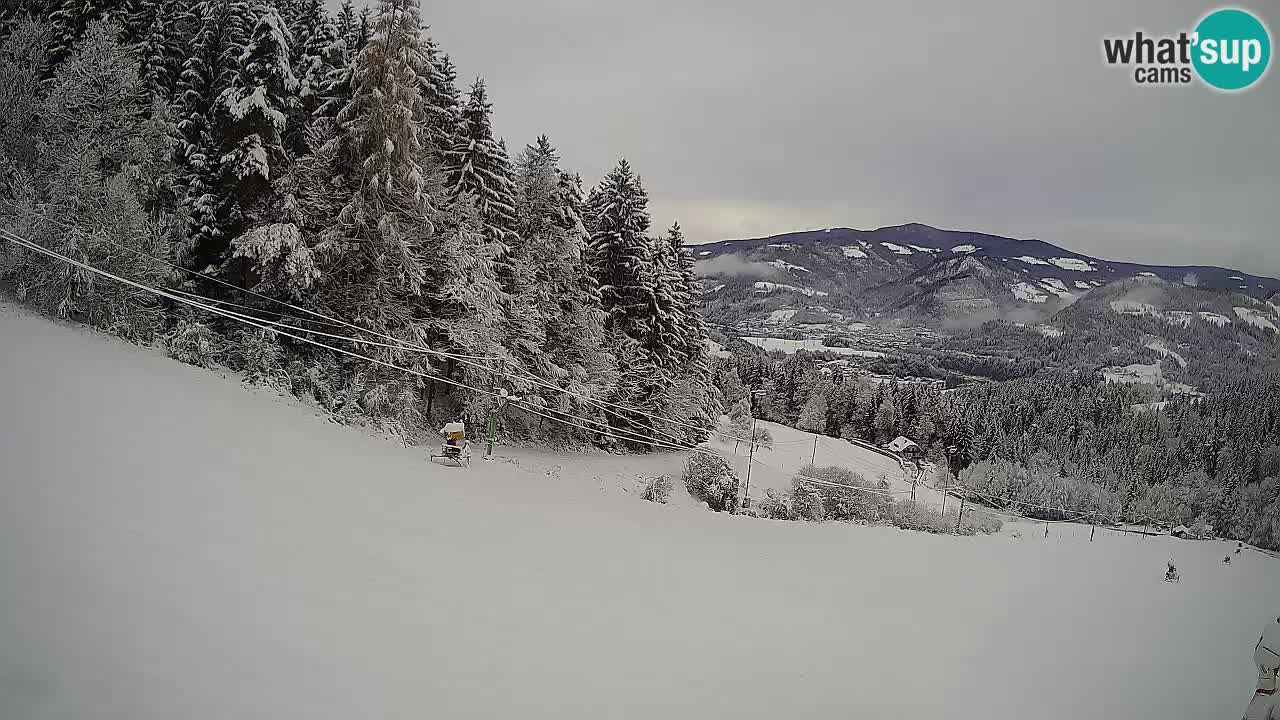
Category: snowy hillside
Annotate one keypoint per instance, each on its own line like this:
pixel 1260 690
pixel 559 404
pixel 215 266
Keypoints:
pixel 919 274
pixel 175 545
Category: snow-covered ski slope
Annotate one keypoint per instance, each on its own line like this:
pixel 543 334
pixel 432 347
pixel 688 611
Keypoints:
pixel 173 545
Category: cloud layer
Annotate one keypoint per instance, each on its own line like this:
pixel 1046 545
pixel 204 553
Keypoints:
pixel 750 117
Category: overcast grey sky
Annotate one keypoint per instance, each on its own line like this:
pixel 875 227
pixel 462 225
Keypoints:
pixel 753 117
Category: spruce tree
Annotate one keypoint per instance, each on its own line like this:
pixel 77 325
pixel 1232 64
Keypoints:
pixel 347 25
pixel 212 67
pixel 444 106
pixel 479 168
pixel 162 27
pixel 364 30
pixel 317 52
pixel 621 255
pixel 72 17
pixel 670 304
pixel 250 119
pixel 554 304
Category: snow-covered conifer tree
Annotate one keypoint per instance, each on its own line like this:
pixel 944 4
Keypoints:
pixel 479 167
pixel 347 24
pixel 250 119
pixel 317 51
pixel 621 255
pixel 72 17
pixel 444 106
pixel 162 27
pixel 212 66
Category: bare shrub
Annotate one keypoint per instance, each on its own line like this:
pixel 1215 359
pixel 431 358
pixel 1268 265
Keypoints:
pixel 657 489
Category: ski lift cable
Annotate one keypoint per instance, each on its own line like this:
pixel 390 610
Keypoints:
pixel 197 273
pixel 836 451
pixel 268 326
pixel 810 478
pixel 272 326
pixel 276 327
pixel 341 323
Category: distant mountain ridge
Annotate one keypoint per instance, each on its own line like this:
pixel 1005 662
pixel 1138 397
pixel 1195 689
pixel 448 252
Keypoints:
pixel 916 274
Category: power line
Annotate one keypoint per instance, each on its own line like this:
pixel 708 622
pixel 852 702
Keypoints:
pixel 468 359
pixel 268 326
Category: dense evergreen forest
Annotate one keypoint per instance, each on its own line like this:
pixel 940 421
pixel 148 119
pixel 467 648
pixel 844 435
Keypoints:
pixel 1060 444
pixel 255 153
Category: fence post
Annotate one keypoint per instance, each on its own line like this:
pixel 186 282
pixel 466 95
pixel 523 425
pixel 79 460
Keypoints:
pixel 960 517
pixel 1046 528
pixel 814 458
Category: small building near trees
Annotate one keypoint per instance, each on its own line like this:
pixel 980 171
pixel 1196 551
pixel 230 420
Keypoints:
pixel 906 448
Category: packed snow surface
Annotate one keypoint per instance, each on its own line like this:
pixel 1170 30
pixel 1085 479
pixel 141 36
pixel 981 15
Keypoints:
pixel 174 545
pixel 1162 349
pixel 784 265
pixel 1255 318
pixel 792 346
pixel 1073 264
pixel 853 252
pixel 965 249
pixel 1057 287
pixel 780 317
pixel 1215 318
pixel 1028 259
pixel 1028 293
pixel 927 251
pixel 1082 285
pixel 896 249
pixel 768 287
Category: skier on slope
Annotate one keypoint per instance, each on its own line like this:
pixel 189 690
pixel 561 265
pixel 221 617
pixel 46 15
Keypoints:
pixel 1266 655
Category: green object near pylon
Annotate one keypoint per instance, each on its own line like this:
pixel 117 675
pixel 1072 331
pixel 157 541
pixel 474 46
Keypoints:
pixel 492 436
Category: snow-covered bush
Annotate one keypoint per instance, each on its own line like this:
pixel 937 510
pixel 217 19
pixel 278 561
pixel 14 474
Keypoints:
pixel 847 495
pixel 315 379
pixel 194 343
pixel 657 489
pixel 712 480
pixel 806 502
pixel 913 516
pixel 773 506
pixel 258 354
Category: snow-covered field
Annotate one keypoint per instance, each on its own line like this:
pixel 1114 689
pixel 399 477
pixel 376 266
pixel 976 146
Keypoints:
pixel 792 346
pixel 174 545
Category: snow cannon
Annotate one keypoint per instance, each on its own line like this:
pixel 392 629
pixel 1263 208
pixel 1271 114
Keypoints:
pixel 455 432
pixel 455 450
pixel 1266 655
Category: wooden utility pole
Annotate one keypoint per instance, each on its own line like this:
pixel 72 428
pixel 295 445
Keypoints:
pixel 814 457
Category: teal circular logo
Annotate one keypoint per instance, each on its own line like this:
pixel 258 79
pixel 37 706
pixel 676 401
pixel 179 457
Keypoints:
pixel 1232 49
